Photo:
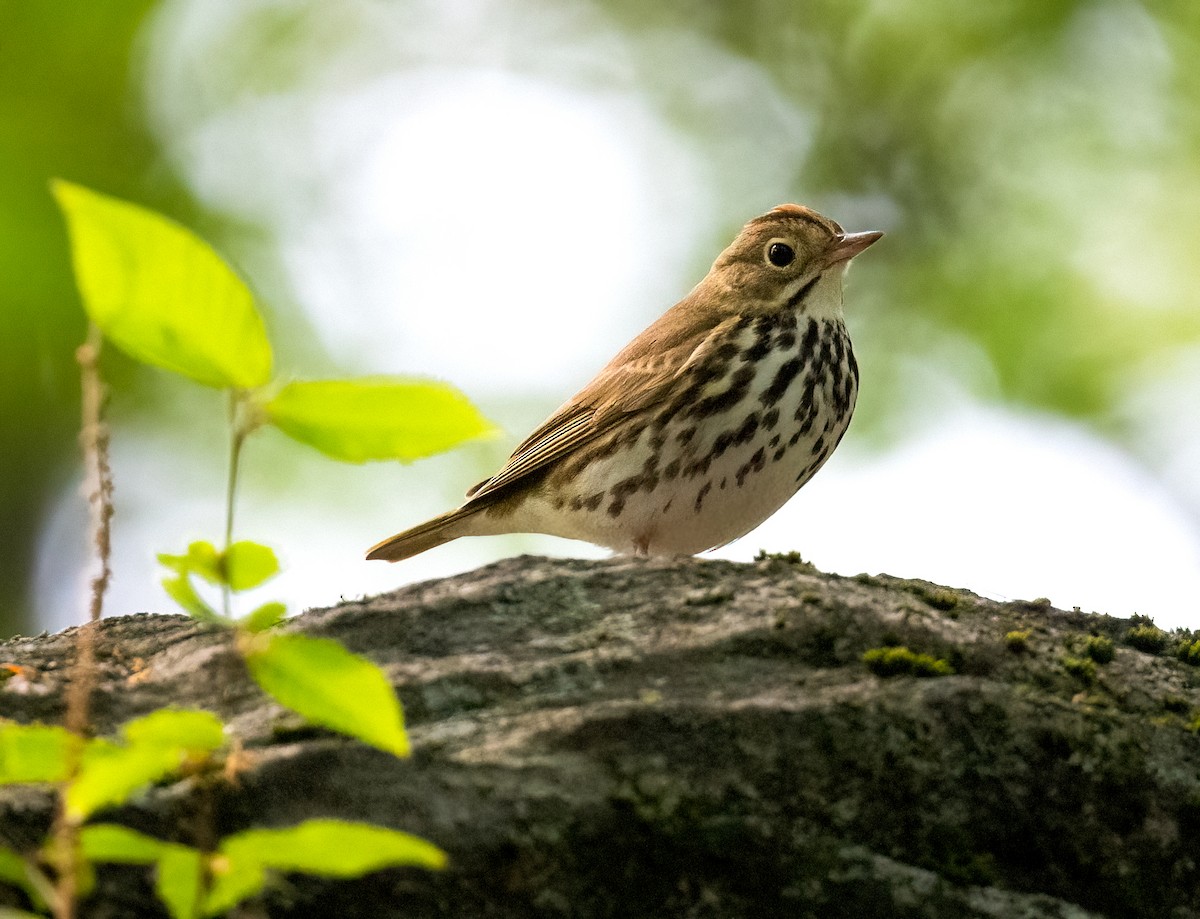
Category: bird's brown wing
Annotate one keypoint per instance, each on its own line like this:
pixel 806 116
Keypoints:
pixel 638 378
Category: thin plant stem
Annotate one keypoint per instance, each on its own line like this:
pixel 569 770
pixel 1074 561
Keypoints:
pixel 237 436
pixel 93 437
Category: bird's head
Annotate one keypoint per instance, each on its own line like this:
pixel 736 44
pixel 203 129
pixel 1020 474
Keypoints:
pixel 790 257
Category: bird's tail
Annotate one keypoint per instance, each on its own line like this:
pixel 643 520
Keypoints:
pixel 424 536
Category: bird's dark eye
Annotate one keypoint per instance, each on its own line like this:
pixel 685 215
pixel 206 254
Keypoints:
pixel 780 254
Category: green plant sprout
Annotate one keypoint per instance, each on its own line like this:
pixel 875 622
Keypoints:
pixel 189 881
pixel 166 298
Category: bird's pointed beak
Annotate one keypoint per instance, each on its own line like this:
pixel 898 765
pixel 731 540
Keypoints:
pixel 847 245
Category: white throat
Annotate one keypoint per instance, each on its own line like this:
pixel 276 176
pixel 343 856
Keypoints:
pixel 825 299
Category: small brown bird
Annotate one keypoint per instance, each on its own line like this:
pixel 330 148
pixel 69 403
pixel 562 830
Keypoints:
pixel 704 425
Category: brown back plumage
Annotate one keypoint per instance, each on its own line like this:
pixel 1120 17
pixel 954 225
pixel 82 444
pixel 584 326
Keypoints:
pixel 645 372
pixel 642 374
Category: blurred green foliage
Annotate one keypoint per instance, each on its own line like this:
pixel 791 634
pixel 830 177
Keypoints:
pixel 1012 139
pixel 1037 166
pixel 166 298
pixel 65 109
pixel 96 773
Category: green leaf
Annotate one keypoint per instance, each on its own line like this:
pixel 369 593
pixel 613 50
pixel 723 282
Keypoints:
pixel 329 686
pixel 248 564
pixel 327 848
pixel 9 912
pixel 332 848
pixel 376 418
pixel 242 566
pixel 112 774
pixel 179 879
pixel 191 730
pixel 33 753
pixel 232 882
pixel 157 745
pixel 263 618
pixel 203 559
pixel 180 590
pixel 176 563
pixel 108 842
pixel 17 871
pixel 162 294
pixel 178 868
pixel 12 867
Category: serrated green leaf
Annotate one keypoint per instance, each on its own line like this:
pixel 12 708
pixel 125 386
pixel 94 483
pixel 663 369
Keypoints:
pixel 329 686
pixel 332 848
pixel 376 418
pixel 263 618
pixel 204 560
pixel 191 730
pixel 33 753
pixel 108 842
pixel 162 294
pixel 248 564
pixel 179 879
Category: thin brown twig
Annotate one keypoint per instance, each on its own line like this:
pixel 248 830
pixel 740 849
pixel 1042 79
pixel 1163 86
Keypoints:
pixel 93 437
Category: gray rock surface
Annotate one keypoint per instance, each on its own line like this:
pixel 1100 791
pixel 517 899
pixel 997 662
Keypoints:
pixel 690 738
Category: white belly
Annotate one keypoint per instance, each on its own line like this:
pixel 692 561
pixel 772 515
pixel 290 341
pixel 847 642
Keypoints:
pixel 670 492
